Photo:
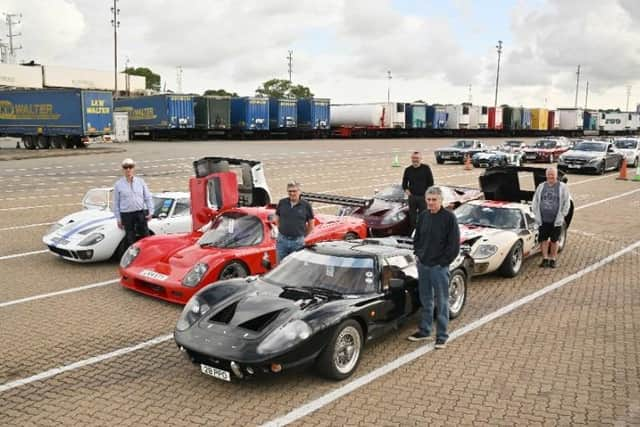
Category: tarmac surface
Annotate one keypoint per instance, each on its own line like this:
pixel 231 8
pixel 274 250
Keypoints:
pixel 548 347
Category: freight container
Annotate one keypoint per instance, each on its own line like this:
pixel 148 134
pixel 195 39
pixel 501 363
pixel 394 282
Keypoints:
pixel 511 117
pixel 483 120
pixel 21 76
pixel 525 118
pixel 55 117
pixel 539 119
pixel 416 115
pixel 250 113
pixel 378 115
pixel 571 118
pixel 120 126
pixel 314 113
pixel 158 112
pixel 283 113
pixel 615 121
pixel 554 120
pixel 495 118
pixel 212 112
pixel 457 116
pixel 591 120
pixel 474 116
pixel 634 124
pixel 437 117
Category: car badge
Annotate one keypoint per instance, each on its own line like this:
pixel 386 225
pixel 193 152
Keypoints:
pixel 368 274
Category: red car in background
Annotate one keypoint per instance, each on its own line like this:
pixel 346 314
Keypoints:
pixel 226 242
pixel 546 150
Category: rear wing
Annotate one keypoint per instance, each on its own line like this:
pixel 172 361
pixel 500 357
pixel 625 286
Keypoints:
pixel 334 199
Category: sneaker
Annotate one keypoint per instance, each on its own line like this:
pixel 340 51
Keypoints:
pixel 544 263
pixel 552 263
pixel 419 336
pixel 440 344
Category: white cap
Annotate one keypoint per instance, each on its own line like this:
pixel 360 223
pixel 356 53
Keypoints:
pixel 127 162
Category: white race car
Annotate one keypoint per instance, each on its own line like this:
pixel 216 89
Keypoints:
pixel 93 235
pixel 501 231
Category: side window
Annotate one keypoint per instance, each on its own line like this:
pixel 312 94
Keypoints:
pixel 531 222
pixel 399 108
pixel 182 208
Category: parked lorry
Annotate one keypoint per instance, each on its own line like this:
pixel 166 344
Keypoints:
pixel 58 118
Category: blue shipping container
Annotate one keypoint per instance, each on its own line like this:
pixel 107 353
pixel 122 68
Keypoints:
pixel 158 111
pixel 314 113
pixel 416 116
pixel 55 112
pixel 525 119
pixel 250 113
pixel 283 113
pixel 437 117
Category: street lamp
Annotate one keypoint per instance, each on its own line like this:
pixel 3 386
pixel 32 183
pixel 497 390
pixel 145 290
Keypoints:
pixel 499 48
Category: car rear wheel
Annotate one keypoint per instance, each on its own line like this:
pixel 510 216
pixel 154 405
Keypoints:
pixel 232 270
pixel 341 356
pixel 513 262
pixel 601 168
pixel 457 292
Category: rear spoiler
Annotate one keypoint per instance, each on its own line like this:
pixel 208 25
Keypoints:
pixel 334 199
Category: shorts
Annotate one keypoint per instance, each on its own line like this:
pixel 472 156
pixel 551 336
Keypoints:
pixel 549 231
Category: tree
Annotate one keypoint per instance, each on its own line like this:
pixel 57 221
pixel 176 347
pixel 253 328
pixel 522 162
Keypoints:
pixel 218 92
pixel 152 79
pixel 279 88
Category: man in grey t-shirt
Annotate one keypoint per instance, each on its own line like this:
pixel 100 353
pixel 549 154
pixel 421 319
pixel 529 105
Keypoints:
pixel 551 204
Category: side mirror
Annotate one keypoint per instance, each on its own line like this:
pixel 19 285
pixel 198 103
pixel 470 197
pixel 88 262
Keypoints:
pixel 266 262
pixel 396 284
pixel 162 215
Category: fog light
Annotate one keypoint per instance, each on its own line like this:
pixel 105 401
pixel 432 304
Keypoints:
pixel 236 370
pixel 276 367
pixel 85 254
pixel 249 370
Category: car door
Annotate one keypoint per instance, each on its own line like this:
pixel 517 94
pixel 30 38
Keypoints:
pixel 530 239
pixel 611 157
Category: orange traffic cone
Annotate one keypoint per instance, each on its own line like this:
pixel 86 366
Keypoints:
pixel 623 171
pixel 467 163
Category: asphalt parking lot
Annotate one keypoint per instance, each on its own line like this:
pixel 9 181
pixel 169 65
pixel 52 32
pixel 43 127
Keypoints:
pixel 547 347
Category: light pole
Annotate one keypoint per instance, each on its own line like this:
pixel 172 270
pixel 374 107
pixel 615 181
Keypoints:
pixel 389 86
pixel 290 63
pixel 499 48
pixel 116 24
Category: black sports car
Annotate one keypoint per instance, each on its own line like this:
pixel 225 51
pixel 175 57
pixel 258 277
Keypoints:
pixel 320 305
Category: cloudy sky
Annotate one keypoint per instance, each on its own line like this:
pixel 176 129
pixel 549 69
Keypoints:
pixel 436 50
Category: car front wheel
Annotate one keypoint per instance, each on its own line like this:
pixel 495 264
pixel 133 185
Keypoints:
pixel 341 356
pixel 513 262
pixel 601 168
pixel 232 270
pixel 635 162
pixel 457 292
pixel 439 161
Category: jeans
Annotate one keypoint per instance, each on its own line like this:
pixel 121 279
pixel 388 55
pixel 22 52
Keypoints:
pixel 286 245
pixel 134 224
pixel 416 205
pixel 434 282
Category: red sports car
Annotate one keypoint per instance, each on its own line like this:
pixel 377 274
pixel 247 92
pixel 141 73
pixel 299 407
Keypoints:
pixel 227 242
pixel 546 150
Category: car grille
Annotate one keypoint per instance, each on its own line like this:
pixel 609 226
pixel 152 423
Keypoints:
pixel 150 287
pixel 62 252
pixel 577 162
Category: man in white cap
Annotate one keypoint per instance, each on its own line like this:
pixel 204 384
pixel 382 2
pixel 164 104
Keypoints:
pixel 132 203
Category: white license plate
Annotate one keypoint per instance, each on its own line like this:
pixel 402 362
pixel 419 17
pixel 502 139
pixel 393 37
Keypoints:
pixel 531 156
pixel 215 372
pixel 446 156
pixel 574 166
pixel 153 275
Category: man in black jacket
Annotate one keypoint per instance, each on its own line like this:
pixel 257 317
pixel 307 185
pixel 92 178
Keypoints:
pixel 415 181
pixel 436 245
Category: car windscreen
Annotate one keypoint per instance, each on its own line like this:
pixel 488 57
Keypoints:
pixel 463 144
pixel 590 146
pixel 393 193
pixel 343 274
pixel 490 216
pixel 233 231
pixel 162 206
pixel 626 144
pixel 545 144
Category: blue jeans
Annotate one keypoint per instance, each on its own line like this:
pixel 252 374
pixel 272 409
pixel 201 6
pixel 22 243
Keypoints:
pixel 434 281
pixel 285 245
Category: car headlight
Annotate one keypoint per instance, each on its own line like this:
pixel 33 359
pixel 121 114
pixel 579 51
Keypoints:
pixel 55 227
pixel 92 239
pixel 394 218
pixel 194 275
pixel 194 310
pixel 285 337
pixel 485 251
pixel 129 256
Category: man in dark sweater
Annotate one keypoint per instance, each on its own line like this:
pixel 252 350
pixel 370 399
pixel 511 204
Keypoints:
pixel 294 218
pixel 436 245
pixel 415 181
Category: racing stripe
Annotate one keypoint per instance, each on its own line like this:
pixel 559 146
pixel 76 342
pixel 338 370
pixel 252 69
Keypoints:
pixel 85 224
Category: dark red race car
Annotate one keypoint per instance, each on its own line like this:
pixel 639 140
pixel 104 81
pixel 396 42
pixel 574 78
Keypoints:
pixel 226 242
pixel 546 150
pixel 387 213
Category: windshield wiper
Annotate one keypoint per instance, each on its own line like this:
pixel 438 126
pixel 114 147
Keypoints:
pixel 322 290
pixel 477 224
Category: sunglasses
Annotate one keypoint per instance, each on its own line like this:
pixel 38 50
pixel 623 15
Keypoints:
pixel 128 167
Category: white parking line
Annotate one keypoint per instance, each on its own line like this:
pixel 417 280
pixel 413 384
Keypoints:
pixel 22 254
pixel 19 227
pixel 588 205
pixel 326 399
pixel 55 294
pixel 21 208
